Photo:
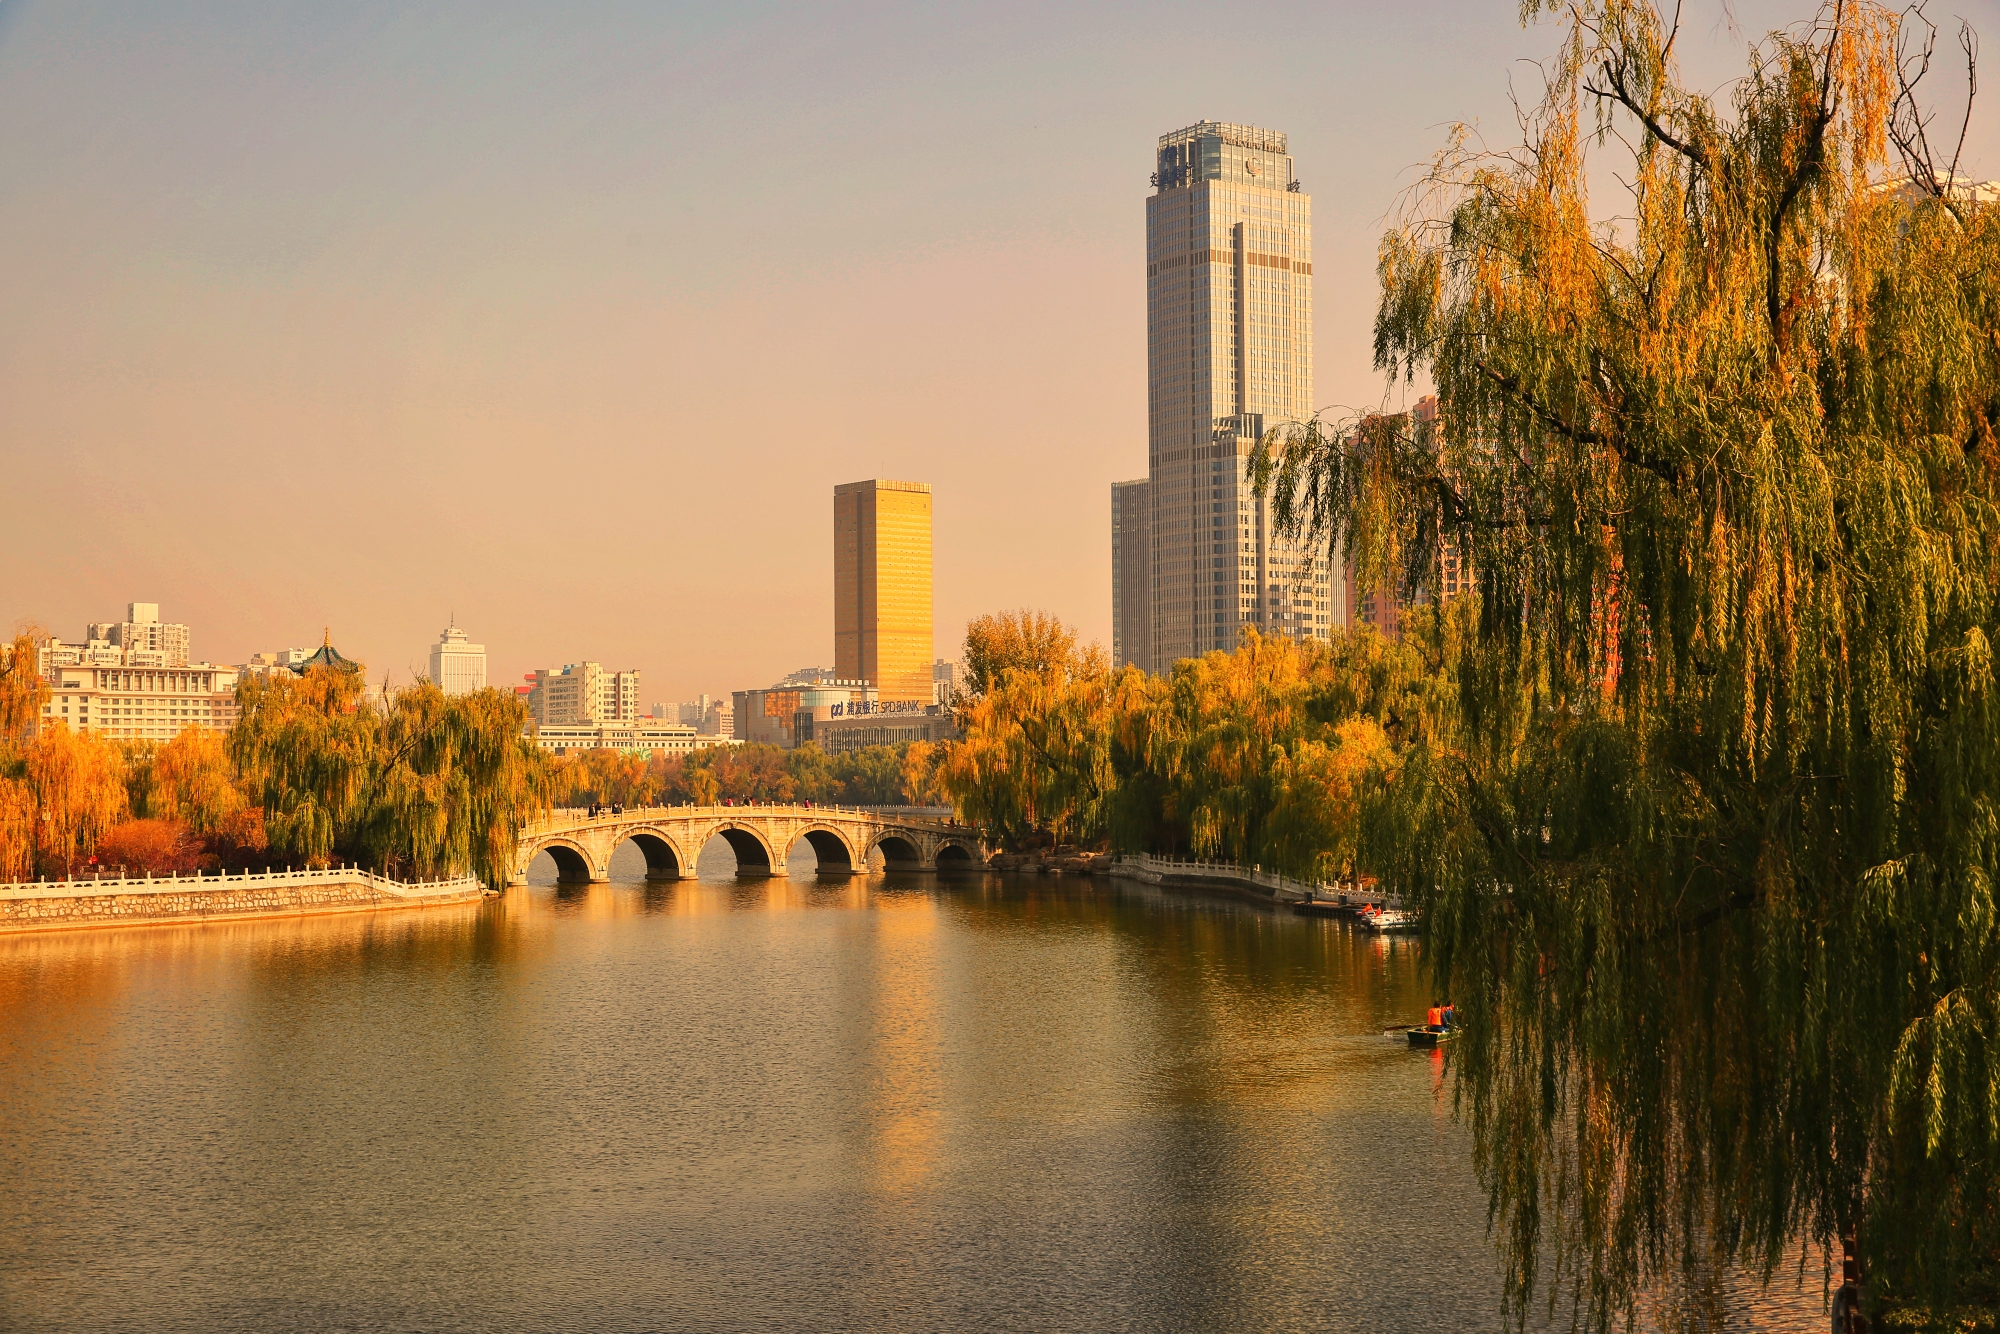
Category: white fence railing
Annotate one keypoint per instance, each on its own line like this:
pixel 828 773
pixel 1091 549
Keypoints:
pixel 181 884
pixel 579 817
pixel 1283 887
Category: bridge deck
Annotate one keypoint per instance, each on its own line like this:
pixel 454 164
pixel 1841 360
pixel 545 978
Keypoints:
pixel 762 836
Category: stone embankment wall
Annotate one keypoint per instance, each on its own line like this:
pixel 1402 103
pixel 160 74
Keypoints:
pixel 55 905
pixel 1246 882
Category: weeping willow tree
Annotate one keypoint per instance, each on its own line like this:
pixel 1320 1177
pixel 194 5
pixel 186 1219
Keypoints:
pixel 429 785
pixel 1035 755
pixel 1258 756
pixel 1704 823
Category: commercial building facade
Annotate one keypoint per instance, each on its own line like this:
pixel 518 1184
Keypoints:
pixel 458 666
pixel 646 735
pixel 771 716
pixel 142 703
pixel 882 587
pixel 1229 355
pixel 836 728
pixel 1131 574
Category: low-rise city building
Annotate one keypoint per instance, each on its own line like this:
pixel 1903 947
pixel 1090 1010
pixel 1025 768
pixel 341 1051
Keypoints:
pixel 771 716
pixel 944 681
pixel 266 665
pixel 132 681
pixel 644 735
pixel 835 728
pixel 706 714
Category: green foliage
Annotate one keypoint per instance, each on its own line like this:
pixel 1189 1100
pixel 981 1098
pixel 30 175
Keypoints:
pixel 1033 643
pixel 872 776
pixel 431 785
pixel 1257 756
pixel 1036 750
pixel 1702 815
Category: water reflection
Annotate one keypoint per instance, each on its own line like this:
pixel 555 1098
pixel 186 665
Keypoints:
pixel 812 1103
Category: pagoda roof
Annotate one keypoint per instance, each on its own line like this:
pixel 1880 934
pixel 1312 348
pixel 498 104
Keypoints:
pixel 327 656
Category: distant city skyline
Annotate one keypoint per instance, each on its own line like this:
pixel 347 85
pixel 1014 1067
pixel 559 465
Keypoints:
pixel 567 318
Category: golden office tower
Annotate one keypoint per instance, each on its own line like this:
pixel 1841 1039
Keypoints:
pixel 882 587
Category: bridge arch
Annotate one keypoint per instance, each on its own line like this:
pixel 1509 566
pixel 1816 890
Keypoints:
pixel 899 851
pixel 833 848
pixel 665 858
pixel 573 861
pixel 753 851
pixel 956 856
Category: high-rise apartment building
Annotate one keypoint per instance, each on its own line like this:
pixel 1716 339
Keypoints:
pixel 143 638
pixel 1131 574
pixel 583 693
pixel 458 666
pixel 1229 354
pixel 621 698
pixel 882 587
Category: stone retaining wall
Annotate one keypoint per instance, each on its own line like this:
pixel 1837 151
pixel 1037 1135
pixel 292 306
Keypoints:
pixel 85 903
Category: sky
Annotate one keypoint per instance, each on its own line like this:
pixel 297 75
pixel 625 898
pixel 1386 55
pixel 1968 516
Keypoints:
pixel 565 320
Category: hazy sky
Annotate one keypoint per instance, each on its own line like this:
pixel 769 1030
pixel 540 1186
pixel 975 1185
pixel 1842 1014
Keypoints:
pixel 570 317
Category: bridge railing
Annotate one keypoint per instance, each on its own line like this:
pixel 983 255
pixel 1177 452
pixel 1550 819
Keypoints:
pixel 575 817
pixel 1282 887
pixel 174 883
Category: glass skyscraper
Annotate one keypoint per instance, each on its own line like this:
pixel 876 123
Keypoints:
pixel 1229 355
pixel 882 587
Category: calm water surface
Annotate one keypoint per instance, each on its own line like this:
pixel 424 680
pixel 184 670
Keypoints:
pixel 883 1103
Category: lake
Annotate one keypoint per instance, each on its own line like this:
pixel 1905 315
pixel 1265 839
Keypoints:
pixel 891 1102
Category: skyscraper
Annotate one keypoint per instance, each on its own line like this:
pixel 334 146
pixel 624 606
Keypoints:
pixel 1131 574
pixel 882 587
pixel 458 666
pixel 1229 355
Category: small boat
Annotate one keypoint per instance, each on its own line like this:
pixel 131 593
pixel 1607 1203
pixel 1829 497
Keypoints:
pixel 1388 919
pixel 1436 1030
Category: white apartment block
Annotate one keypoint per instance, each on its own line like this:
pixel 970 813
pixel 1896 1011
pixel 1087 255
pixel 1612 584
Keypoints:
pixel 143 638
pixel 458 666
pixel 583 693
pixel 621 698
pixel 1229 355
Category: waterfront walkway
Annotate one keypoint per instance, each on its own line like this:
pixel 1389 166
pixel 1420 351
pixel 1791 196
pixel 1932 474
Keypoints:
pixel 1252 881
pixel 39 905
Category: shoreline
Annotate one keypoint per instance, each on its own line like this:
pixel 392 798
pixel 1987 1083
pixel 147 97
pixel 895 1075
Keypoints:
pixel 78 905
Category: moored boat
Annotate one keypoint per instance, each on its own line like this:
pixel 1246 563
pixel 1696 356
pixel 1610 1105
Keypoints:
pixel 1388 919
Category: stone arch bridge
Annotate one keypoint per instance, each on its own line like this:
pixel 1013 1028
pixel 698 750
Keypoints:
pixel 671 837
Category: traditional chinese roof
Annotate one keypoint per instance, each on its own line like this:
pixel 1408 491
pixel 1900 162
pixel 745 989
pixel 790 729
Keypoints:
pixel 327 656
